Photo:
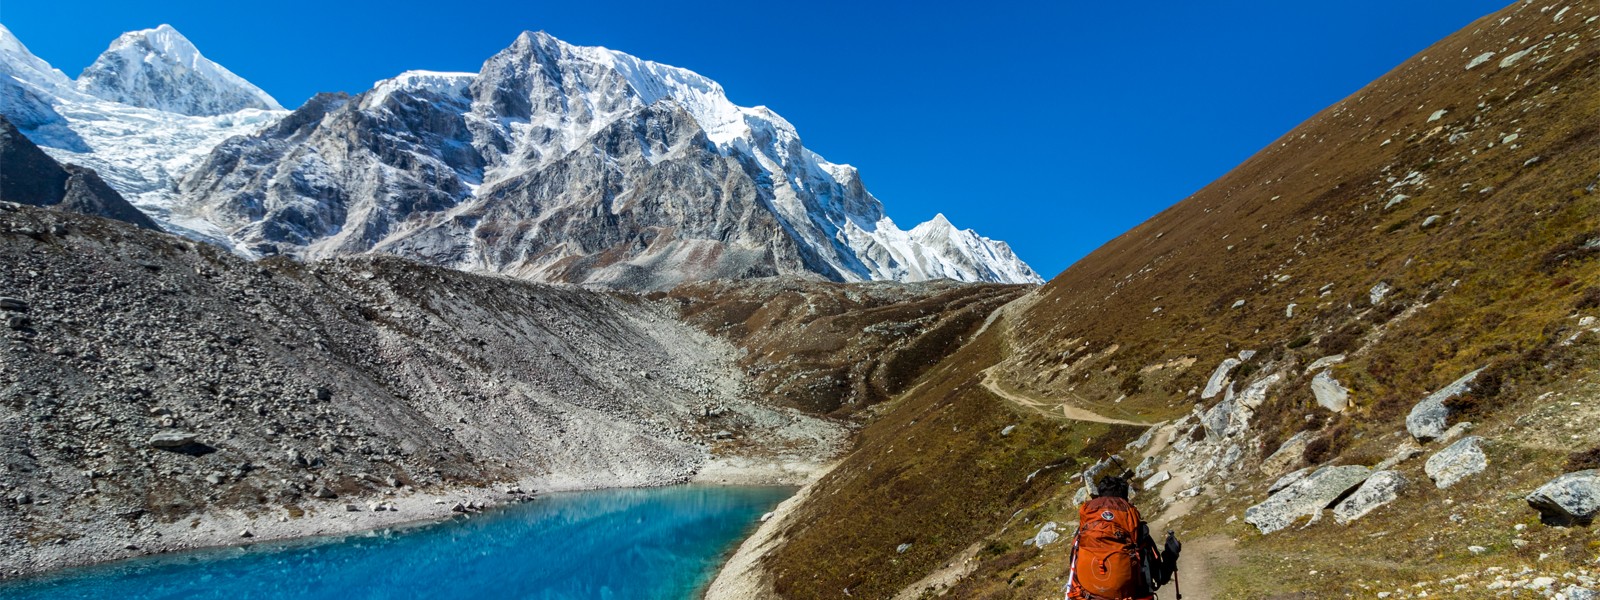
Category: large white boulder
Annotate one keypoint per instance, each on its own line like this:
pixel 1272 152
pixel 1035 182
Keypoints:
pixel 1379 489
pixel 1219 377
pixel 1430 418
pixel 1329 392
pixel 1456 462
pixel 1307 497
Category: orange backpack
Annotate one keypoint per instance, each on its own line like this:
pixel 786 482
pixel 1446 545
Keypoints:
pixel 1105 552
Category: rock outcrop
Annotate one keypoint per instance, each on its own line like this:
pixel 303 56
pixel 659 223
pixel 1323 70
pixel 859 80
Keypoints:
pixel 1456 462
pixel 1430 418
pixel 1306 497
pixel 1381 488
pixel 1571 499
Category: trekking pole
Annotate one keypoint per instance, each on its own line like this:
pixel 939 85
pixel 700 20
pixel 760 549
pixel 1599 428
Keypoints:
pixel 1175 547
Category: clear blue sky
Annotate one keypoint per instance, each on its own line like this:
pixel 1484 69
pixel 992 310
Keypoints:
pixel 1053 125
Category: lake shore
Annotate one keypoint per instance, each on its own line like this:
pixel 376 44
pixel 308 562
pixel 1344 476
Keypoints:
pixel 327 517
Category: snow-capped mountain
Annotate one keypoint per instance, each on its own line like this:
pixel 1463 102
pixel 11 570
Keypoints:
pixel 140 150
pixel 553 162
pixel 160 69
pixel 569 163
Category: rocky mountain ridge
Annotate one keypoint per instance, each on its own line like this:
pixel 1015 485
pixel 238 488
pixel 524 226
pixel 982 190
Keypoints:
pixel 524 168
pixel 568 163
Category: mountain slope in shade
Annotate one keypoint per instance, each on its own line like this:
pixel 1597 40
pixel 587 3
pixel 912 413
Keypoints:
pixel 567 163
pixel 29 176
pixel 160 69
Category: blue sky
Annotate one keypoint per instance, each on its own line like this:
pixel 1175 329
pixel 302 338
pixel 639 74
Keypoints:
pixel 1053 125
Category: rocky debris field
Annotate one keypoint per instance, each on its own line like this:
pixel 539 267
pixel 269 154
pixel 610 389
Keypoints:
pixel 156 393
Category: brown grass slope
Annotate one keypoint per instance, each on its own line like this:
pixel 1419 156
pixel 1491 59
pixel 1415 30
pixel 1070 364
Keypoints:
pixel 1489 258
pixel 834 348
pixel 1491 243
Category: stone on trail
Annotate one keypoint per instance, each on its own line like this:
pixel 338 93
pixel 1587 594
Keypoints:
pixel 1429 418
pixel 1571 499
pixel 1379 489
pixel 1457 462
pixel 1156 480
pixel 1307 497
pixel 13 304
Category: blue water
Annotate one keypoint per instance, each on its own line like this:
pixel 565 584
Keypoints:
pixel 660 543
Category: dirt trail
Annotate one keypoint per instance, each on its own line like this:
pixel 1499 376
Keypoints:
pixel 1197 565
pixel 1053 407
pixel 1201 557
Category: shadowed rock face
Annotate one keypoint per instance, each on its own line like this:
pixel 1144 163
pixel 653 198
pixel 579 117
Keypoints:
pixel 29 176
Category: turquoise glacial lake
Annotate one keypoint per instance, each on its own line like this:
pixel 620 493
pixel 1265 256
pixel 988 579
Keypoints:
pixel 631 544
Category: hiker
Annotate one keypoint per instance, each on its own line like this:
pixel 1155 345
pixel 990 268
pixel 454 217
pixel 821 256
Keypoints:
pixel 1113 556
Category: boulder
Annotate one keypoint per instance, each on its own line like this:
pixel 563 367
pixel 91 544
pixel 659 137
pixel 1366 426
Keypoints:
pixel 1156 480
pixel 1407 451
pixel 1219 377
pixel 1227 419
pixel 1580 593
pixel 1429 418
pixel 1288 480
pixel 1287 455
pixel 1329 392
pixel 13 304
pixel 1256 393
pixel 1456 462
pixel 1324 362
pixel 322 491
pixel 1147 467
pixel 17 322
pixel 1571 499
pixel 1379 489
pixel 1377 293
pixel 1046 536
pixel 1307 497
pixel 171 439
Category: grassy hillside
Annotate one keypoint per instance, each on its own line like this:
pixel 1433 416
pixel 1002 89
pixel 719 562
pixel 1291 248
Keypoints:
pixel 1443 219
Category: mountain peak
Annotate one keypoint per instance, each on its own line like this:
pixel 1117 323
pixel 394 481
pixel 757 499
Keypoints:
pixel 938 222
pixel 161 69
pixel 17 61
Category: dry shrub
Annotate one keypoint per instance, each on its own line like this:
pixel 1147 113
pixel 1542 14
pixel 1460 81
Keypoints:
pixel 1577 249
pixel 1329 445
pixel 1342 339
pixel 1590 298
pixel 1584 460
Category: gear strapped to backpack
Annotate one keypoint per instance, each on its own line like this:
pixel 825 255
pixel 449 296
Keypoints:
pixel 1113 556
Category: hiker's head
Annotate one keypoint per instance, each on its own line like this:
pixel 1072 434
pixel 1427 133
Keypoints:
pixel 1111 486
